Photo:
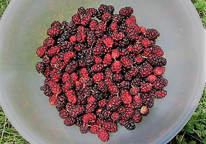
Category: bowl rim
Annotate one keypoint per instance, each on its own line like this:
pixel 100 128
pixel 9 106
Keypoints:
pixel 30 137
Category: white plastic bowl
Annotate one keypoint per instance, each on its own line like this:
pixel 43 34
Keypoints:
pixel 23 28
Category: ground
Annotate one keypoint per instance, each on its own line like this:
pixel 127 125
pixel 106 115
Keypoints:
pixel 193 133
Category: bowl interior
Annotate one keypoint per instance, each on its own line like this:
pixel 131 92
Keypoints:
pixel 23 29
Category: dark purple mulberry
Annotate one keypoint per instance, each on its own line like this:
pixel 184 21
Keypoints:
pixel 40 67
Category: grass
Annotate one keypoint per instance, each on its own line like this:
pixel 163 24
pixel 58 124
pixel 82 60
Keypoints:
pixel 194 131
pixel 201 8
pixel 3 5
pixel 8 134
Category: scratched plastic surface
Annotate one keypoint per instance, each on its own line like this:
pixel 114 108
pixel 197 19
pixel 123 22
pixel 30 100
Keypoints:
pixel 23 28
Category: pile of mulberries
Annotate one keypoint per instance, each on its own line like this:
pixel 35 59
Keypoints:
pixel 102 69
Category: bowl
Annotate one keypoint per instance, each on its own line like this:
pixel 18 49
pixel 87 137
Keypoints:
pixel 23 29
